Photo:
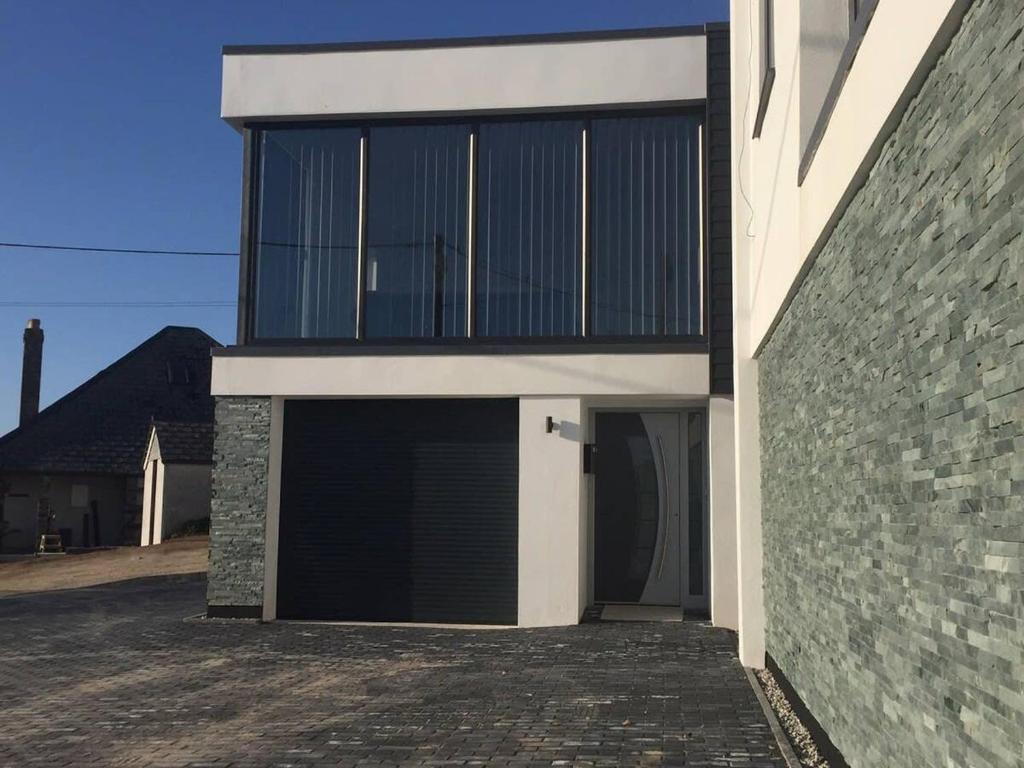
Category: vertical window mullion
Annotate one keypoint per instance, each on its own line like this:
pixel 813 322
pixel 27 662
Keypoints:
pixel 361 249
pixel 700 227
pixel 584 233
pixel 471 174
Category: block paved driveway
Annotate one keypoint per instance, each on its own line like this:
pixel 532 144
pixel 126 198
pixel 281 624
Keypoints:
pixel 114 675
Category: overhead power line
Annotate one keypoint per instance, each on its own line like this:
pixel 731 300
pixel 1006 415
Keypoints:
pixel 87 249
pixel 117 304
pixel 166 252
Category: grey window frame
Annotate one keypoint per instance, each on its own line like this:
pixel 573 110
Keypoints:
pixel 766 48
pixel 861 13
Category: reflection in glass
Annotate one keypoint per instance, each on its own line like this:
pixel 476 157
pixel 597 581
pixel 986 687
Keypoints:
pixel 644 226
pixel 416 231
pixel 307 232
pixel 528 273
pixel 627 506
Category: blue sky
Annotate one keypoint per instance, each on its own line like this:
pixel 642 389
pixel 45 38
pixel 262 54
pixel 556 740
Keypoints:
pixel 110 137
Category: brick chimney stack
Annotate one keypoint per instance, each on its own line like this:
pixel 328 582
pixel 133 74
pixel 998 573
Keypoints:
pixel 31 371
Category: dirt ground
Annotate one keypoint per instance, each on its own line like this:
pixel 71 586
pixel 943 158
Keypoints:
pixel 42 574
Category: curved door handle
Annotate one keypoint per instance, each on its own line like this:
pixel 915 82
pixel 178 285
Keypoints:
pixel 662 505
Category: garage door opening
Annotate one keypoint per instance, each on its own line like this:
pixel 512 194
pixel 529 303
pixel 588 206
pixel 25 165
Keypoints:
pixel 399 510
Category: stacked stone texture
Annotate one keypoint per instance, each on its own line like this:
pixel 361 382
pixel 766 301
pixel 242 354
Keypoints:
pixel 892 430
pixel 238 507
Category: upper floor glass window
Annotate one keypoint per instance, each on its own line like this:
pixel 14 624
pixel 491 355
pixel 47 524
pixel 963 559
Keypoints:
pixel 306 234
pixel 645 226
pixel 416 231
pixel 529 276
pixel 504 228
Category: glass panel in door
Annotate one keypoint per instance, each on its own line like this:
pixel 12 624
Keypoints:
pixel 639 468
pixel 695 528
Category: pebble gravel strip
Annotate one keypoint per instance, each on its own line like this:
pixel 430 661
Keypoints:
pixel 796 732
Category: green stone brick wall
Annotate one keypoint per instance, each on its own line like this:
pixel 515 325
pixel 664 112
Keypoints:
pixel 892 434
pixel 238 508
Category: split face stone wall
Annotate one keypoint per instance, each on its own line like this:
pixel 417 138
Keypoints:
pixel 238 506
pixel 892 431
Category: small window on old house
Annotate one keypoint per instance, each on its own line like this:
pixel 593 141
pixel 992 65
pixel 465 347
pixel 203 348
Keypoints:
pixel 180 372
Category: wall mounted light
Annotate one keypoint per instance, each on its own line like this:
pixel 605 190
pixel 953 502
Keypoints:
pixel 549 425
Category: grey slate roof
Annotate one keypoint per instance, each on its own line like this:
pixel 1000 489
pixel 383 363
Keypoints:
pixel 102 427
pixel 185 442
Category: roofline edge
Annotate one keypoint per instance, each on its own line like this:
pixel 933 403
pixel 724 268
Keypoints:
pixel 468 42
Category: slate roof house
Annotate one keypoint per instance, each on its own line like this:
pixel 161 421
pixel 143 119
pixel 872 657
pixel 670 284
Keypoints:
pixel 879 332
pixel 81 458
pixel 484 364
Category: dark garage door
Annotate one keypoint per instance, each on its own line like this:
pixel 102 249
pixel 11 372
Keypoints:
pixel 399 510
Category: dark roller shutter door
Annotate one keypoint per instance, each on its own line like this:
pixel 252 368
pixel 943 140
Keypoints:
pixel 399 510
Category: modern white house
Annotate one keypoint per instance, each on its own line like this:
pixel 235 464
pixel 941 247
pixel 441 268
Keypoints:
pixel 717 320
pixel 484 361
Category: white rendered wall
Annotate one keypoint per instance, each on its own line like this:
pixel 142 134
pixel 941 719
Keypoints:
pixel 750 604
pixel 153 502
pixel 571 375
pixel 551 513
pixel 463 78
pixel 784 222
pixel 147 500
pixel 158 516
pixel 749 552
pixel 185 492
pixel 722 476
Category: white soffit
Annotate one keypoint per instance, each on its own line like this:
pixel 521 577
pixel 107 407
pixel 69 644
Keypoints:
pixel 473 78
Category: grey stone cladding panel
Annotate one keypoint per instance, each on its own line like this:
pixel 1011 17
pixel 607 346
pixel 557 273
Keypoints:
pixel 892 433
pixel 238 506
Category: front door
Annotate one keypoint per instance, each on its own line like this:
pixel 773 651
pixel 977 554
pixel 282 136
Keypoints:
pixel 649 529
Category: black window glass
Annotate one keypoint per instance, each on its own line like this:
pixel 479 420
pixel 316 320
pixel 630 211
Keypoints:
pixel 644 226
pixel 528 209
pixel 416 231
pixel 306 236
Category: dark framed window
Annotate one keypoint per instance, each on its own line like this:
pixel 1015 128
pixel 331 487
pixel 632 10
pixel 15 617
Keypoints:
pixel 645 226
pixel 416 231
pixel 536 227
pixel 766 40
pixel 828 47
pixel 305 245
pixel 528 278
